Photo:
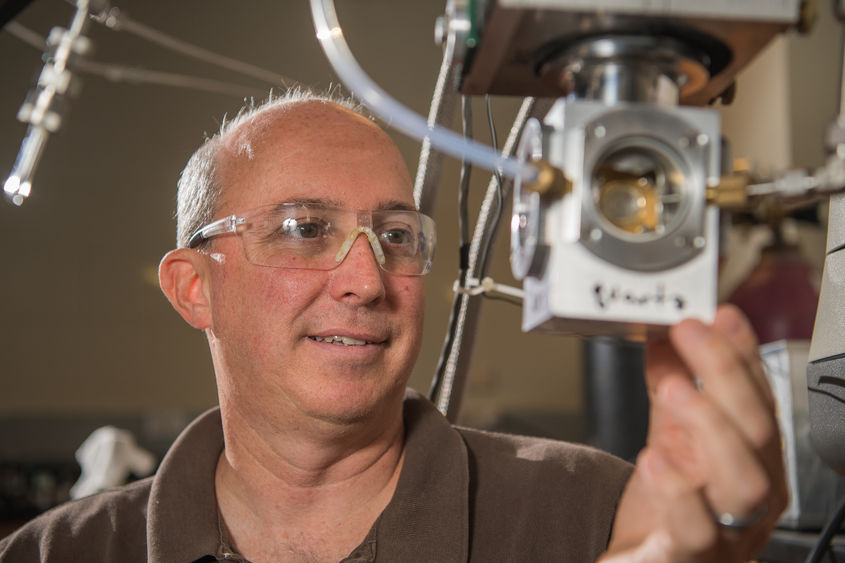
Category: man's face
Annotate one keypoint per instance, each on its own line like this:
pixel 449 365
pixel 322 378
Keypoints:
pixel 266 322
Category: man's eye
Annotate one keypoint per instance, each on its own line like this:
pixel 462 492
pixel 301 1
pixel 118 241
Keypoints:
pixel 397 236
pixel 305 229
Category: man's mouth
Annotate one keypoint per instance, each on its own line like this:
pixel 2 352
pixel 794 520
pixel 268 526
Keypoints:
pixel 340 340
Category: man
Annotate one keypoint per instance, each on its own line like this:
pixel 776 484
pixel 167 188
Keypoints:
pixel 301 257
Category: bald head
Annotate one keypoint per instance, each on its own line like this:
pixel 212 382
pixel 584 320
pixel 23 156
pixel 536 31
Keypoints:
pixel 298 114
pixel 290 153
pixel 278 142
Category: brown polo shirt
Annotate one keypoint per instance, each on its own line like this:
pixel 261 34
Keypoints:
pixel 463 495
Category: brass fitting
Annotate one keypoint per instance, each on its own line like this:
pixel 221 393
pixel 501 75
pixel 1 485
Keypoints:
pixel 550 180
pixel 731 192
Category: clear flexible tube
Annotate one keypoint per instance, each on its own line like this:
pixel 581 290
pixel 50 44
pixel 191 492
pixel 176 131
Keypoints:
pixel 395 114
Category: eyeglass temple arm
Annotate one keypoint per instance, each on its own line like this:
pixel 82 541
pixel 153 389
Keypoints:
pixel 225 225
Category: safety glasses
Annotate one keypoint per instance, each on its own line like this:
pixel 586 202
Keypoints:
pixel 318 237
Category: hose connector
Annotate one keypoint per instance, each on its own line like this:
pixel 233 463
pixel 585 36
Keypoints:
pixel 550 180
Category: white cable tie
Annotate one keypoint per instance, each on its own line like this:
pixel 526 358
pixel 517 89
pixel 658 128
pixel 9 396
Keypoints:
pixel 474 287
pixel 469 289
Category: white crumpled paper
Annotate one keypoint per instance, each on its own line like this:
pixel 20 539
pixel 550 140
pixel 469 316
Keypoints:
pixel 107 458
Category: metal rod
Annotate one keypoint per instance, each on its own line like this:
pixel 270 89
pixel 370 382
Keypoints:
pixel 119 21
pixel 441 112
pixel 134 75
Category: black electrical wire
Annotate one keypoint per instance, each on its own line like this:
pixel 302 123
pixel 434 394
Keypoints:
pixel 466 171
pixel 508 300
pixel 494 142
pixel 463 255
pixel 484 252
pixel 832 527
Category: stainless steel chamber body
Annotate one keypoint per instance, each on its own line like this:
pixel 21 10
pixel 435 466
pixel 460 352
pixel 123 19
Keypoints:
pixel 632 245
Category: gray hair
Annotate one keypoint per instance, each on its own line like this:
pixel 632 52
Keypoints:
pixel 198 187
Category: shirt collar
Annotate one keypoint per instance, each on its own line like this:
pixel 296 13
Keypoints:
pixel 426 520
pixel 182 523
pixel 428 517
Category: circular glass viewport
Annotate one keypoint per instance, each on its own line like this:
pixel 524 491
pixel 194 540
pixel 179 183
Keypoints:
pixel 639 190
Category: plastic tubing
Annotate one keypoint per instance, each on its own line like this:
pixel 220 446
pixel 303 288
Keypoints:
pixel 395 114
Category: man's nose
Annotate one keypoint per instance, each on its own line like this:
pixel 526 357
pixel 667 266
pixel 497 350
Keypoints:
pixel 358 278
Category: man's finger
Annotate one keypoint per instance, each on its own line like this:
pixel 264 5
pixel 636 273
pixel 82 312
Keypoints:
pixel 662 361
pixel 736 328
pixel 725 377
pixel 683 527
pixel 735 480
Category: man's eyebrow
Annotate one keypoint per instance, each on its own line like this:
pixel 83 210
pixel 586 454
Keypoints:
pixel 316 202
pixel 396 205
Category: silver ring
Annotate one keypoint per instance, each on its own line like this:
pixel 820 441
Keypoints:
pixel 728 520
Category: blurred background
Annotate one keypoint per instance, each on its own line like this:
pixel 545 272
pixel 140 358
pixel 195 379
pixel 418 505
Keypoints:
pixel 88 339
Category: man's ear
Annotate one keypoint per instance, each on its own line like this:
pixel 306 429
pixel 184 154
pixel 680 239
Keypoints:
pixel 181 275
